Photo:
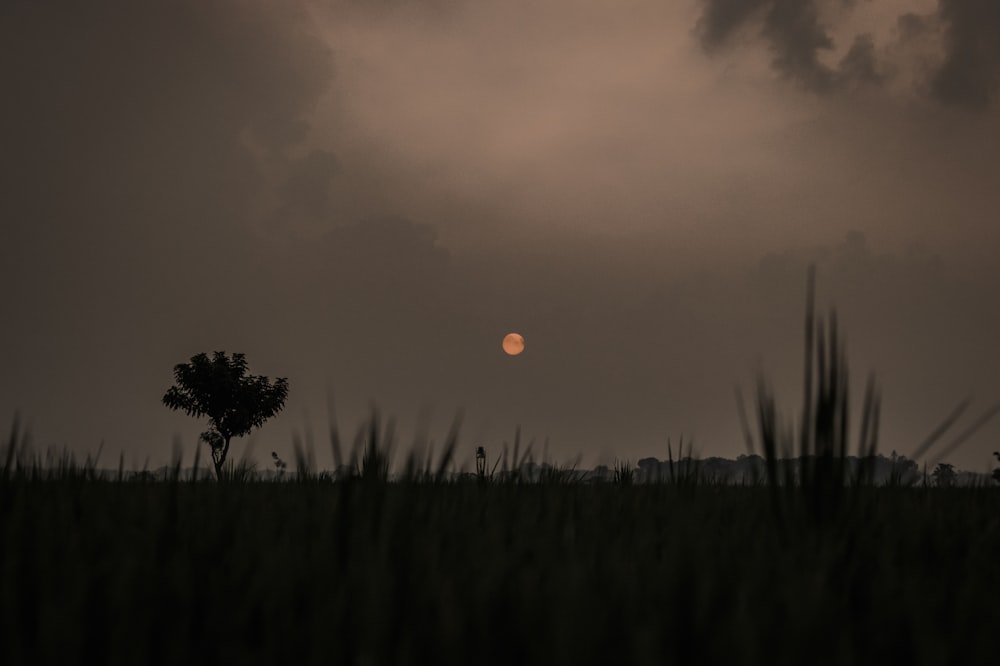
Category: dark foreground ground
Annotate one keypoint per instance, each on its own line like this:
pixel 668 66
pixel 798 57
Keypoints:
pixel 373 573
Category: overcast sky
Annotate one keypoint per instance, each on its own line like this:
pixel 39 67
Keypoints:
pixel 365 197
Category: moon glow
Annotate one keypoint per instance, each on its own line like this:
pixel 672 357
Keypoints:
pixel 513 344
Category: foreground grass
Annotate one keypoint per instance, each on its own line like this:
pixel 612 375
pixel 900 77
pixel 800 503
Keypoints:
pixel 412 573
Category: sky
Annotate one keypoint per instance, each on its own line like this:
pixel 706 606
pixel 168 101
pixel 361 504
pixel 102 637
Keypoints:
pixel 365 197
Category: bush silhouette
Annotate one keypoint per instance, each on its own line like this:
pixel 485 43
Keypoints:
pixel 234 402
pixel 944 475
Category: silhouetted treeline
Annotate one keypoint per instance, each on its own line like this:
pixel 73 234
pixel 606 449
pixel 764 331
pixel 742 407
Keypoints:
pixel 744 470
pixel 751 469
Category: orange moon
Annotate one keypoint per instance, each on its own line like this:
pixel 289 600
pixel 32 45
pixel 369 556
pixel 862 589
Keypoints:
pixel 513 343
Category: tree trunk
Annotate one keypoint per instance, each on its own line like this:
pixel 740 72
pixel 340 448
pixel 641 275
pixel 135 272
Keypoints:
pixel 222 459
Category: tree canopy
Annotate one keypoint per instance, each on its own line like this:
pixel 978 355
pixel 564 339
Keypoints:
pixel 234 402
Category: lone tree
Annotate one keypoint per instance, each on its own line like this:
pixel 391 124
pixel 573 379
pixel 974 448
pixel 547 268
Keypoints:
pixel 234 402
pixel 945 475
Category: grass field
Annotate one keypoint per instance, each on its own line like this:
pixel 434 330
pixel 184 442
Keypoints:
pixel 370 572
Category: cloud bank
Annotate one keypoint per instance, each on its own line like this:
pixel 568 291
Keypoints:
pixel 966 71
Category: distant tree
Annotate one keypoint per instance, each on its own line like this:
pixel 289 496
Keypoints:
pixel 901 471
pixel 601 473
pixel 749 469
pixel 944 475
pixel 234 402
pixel 649 469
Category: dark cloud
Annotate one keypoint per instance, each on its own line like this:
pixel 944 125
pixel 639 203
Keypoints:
pixel 853 268
pixel 392 252
pixel 796 37
pixel 792 29
pixel 154 123
pixel 860 64
pixel 721 19
pixel 306 198
pixel 967 75
pixel 913 25
pixel 970 73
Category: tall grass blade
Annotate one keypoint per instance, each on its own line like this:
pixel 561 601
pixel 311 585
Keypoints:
pixel 967 433
pixel 11 454
pixel 450 444
pixel 938 432
pixel 807 400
